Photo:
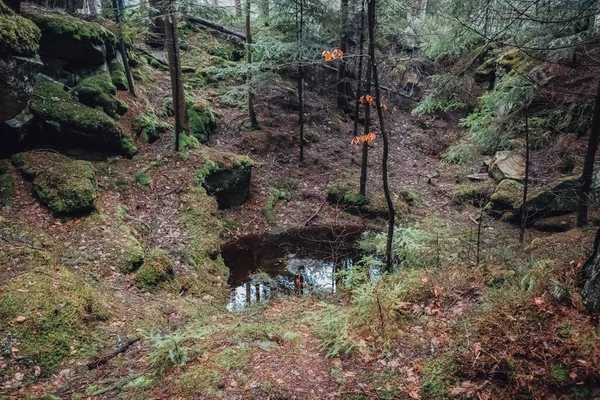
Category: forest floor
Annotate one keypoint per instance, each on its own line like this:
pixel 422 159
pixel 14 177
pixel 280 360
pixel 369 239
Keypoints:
pixel 272 350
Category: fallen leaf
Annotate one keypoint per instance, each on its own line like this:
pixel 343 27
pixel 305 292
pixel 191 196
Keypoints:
pixel 20 319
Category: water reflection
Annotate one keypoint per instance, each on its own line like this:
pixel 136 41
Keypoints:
pixel 297 262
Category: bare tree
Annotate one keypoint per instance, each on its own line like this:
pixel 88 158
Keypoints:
pixel 299 39
pixel 252 113
pixel 342 100
pixel 118 8
pixel 173 53
pixel 384 159
pixel 588 165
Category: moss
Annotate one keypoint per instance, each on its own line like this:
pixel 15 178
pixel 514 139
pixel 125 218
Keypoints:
pixel 202 120
pixel 53 105
pixel 6 180
pixel 508 196
pixel 474 193
pixel 63 24
pixel 188 142
pixel 99 91
pixel 560 223
pixel 143 179
pixel 131 254
pixel 60 311
pixel 435 381
pixel 274 197
pixel 18 36
pixel 560 374
pixel 117 75
pixel 204 227
pixel 157 268
pixel 345 192
pixel 148 127
pixel 128 146
pixel 67 188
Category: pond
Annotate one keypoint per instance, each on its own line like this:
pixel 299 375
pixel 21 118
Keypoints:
pixel 298 261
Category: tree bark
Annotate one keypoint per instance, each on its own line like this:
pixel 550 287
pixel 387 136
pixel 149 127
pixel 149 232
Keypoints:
pixel 342 100
pixel 122 49
pixel 591 279
pixel 526 182
pixel 588 165
pixel 300 34
pixel 384 159
pixel 157 25
pixel 238 8
pixel 175 72
pixel 366 130
pixel 252 113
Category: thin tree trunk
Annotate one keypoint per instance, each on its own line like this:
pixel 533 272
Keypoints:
pixel 366 130
pixel 342 100
pixel 360 67
pixel 300 34
pixel 591 279
pixel 238 8
pixel 526 182
pixel 122 49
pixel 588 165
pixel 384 159
pixel 175 72
pixel 253 121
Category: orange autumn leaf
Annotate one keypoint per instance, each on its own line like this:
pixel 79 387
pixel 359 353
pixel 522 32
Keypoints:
pixel 327 56
pixel 336 54
pixel 368 139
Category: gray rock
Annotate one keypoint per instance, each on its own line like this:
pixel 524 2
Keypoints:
pixel 17 78
pixel 507 165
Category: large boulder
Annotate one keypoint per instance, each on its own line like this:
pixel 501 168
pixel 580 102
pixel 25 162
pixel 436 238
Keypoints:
pixel 506 199
pixel 66 123
pixel 78 42
pixel 227 180
pixel 507 165
pixel 19 39
pixel 66 186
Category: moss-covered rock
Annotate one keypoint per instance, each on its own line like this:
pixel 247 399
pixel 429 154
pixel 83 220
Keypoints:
pixel 508 196
pixel 148 127
pixel 227 178
pixel 99 91
pixel 67 188
pixel 131 254
pixel 18 36
pixel 72 39
pixel 68 123
pixel 51 314
pixel 562 198
pixel 345 192
pixel 475 193
pixel 202 120
pixel 561 223
pixel 117 74
pixel 157 268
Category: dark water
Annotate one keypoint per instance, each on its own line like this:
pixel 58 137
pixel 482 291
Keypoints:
pixel 292 262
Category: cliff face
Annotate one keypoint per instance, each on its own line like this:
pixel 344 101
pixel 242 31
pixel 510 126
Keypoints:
pixel 59 87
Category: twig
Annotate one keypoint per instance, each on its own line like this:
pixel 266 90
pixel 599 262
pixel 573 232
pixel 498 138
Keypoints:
pixel 106 358
pixel 315 214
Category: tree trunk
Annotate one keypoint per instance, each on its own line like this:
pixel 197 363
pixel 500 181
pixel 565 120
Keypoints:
pixel 300 34
pixel 342 99
pixel 156 39
pixel 217 27
pixel 121 47
pixel 526 182
pixel 366 130
pixel 591 280
pixel 588 165
pixel 360 68
pixel 252 113
pixel 384 159
pixel 175 72
pixel 238 8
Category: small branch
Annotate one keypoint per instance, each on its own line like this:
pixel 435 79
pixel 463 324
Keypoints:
pixel 216 27
pixel 121 349
pixel 315 214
